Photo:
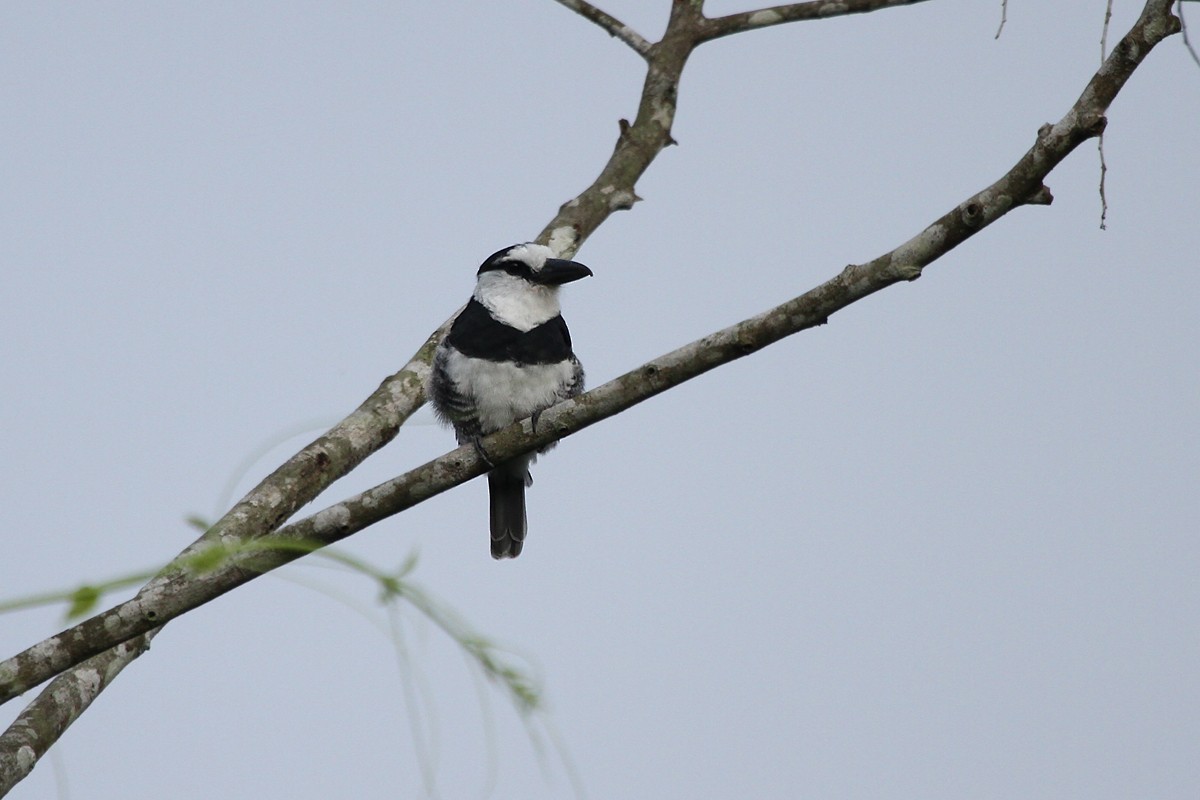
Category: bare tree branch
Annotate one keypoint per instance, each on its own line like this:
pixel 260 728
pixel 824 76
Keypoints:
pixel 58 705
pixel 637 144
pixel 176 591
pixel 791 12
pixel 611 24
pixel 278 496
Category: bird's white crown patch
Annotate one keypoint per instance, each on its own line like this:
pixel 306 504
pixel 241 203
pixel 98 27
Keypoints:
pixel 533 255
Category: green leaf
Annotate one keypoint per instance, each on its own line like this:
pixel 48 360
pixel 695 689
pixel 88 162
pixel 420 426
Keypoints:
pixel 208 559
pixel 83 600
pixel 198 522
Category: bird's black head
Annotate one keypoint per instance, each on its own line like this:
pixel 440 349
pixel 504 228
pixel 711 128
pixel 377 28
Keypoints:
pixel 536 264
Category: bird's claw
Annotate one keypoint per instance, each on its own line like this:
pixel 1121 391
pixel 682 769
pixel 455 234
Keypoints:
pixel 533 420
pixel 477 443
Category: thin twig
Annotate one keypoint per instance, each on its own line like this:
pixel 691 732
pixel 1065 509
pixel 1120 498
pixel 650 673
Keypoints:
pixel 1104 31
pixel 1103 173
pixel 1003 17
pixel 1183 26
pixel 611 24
pixel 1100 138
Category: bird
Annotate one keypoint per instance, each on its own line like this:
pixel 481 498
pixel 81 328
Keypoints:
pixel 507 356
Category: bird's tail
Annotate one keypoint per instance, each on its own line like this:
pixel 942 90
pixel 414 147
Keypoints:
pixel 506 486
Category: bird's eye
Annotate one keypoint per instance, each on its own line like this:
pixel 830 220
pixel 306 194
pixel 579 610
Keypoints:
pixel 518 268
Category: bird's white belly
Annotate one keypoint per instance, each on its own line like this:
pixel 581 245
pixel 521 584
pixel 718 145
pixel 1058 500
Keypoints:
pixel 505 392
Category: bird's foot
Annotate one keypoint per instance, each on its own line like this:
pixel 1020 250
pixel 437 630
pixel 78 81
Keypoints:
pixel 477 443
pixel 533 420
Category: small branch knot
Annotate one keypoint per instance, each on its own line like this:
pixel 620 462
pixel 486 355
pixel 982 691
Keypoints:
pixel 972 214
pixel 745 344
pixel 622 131
pixel 1094 126
pixel 622 200
pixel 1040 196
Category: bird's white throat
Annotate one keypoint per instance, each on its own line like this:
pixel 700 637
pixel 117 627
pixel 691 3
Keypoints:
pixel 515 301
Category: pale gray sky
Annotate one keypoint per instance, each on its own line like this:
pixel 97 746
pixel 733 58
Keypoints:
pixel 943 547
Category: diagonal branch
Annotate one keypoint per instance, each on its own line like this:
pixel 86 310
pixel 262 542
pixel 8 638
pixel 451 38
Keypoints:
pixel 45 719
pixel 638 143
pixel 792 12
pixel 611 24
pixel 176 591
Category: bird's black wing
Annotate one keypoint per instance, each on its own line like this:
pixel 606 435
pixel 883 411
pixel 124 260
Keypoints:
pixel 575 387
pixel 450 404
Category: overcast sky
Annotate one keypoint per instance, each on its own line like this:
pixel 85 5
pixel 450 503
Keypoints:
pixel 943 547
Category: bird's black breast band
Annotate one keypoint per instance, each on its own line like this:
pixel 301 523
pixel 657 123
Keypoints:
pixel 477 334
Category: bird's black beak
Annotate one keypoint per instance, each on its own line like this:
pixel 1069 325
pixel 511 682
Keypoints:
pixel 557 271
